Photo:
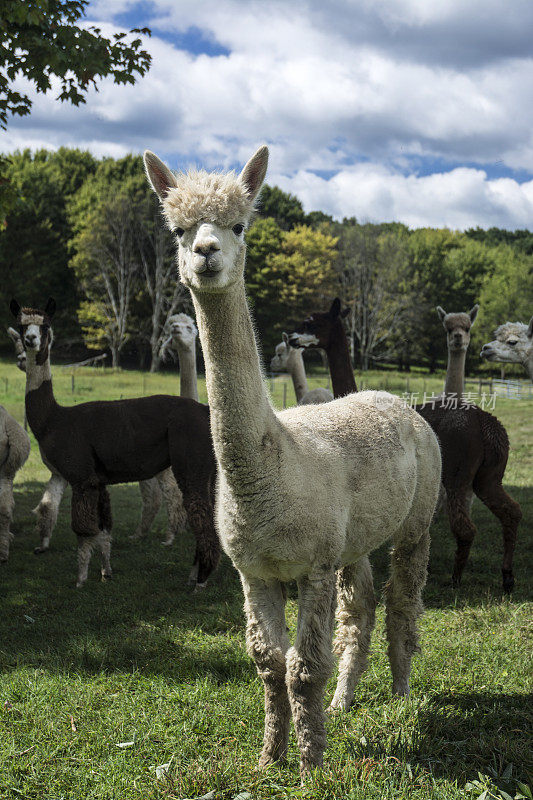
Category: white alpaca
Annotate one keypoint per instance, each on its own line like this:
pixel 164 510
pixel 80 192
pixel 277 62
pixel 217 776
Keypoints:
pixel 14 451
pixel 290 359
pixel 182 340
pixel 303 492
pixel 513 344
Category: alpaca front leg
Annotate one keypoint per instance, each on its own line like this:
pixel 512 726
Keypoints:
pixel 267 643
pixel 6 512
pixel 403 595
pixel 176 516
pixel 105 523
pixel 85 523
pixel 47 511
pixel 356 613
pixel 309 664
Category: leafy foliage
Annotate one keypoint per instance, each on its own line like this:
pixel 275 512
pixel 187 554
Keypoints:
pixel 42 41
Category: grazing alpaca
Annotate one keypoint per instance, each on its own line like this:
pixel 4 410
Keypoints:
pixel 303 492
pixel 290 359
pixel 152 491
pixel 513 345
pixel 92 445
pixel 474 444
pixel 14 451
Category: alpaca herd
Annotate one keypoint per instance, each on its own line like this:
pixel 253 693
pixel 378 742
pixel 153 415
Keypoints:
pixel 304 495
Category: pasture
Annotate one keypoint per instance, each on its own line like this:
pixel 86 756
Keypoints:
pixel 102 686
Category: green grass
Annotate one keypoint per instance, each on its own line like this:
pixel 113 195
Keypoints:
pixel 141 660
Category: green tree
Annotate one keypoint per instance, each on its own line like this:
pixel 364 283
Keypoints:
pixel 286 209
pixel 289 274
pixel 34 244
pixel 41 40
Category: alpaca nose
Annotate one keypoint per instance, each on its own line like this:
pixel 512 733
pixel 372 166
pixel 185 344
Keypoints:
pixel 206 248
pixel 30 339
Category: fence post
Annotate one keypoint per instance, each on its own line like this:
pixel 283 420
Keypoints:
pixel 72 383
pixel 284 394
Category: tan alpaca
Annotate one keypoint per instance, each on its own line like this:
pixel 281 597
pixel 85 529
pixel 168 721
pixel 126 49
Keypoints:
pixel 290 359
pixel 513 345
pixel 14 451
pixel 301 493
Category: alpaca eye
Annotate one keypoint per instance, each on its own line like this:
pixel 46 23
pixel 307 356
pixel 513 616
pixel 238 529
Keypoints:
pixel 180 232
pixel 512 342
pixel 238 229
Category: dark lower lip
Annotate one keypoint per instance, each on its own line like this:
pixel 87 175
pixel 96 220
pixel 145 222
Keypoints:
pixel 209 273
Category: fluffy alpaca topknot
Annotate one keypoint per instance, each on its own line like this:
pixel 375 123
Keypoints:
pixel 508 328
pixel 219 197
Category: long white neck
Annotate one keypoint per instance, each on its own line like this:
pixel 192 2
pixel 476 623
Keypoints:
pixel 455 373
pixel 36 374
pixel 188 377
pixel 295 363
pixel 242 418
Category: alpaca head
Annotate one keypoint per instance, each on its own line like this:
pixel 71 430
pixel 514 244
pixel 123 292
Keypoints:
pixel 34 327
pixel 319 329
pixel 182 331
pixel 208 212
pixel 280 362
pixel 513 343
pixel 457 327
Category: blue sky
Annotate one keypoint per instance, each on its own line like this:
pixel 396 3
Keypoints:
pixel 383 109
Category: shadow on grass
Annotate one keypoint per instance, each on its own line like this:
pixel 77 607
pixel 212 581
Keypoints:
pixel 147 620
pixel 459 735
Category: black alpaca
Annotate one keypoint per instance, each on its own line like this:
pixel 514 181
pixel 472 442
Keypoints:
pixel 95 444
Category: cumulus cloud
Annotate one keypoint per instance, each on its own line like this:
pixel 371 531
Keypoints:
pixel 458 199
pixel 374 91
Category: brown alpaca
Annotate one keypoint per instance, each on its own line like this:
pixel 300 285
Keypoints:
pixel 474 444
pixel 95 444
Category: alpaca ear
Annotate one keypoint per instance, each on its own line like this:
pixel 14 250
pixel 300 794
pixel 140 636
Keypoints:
pixel 441 312
pixel 160 177
pixel 529 332
pixel 254 172
pixel 50 309
pixel 14 307
pixel 473 313
pixel 285 337
pixel 14 336
pixel 335 308
pixel 345 312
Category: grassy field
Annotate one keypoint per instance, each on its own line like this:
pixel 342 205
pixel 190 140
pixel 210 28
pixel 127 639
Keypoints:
pixel 99 687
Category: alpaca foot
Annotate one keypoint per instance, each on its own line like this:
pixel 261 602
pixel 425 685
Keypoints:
pixel 41 548
pixel 136 537
pixel 508 580
pixel 168 542
pixel 401 688
pixel 107 575
pixel 81 582
pixel 193 575
pixel 199 587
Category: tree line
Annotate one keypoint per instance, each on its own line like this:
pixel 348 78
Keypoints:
pixel 89 232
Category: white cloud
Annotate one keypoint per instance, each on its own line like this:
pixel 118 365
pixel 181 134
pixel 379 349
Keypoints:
pixel 458 199
pixel 396 84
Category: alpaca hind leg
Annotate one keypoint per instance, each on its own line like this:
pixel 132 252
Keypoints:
pixel 85 522
pixel 176 516
pixel 151 503
pixel 463 529
pixel 47 511
pixel 6 513
pixel 403 594
pixel 309 664
pixel 105 522
pixel 267 644
pixel 491 492
pixel 356 613
pixel 200 516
